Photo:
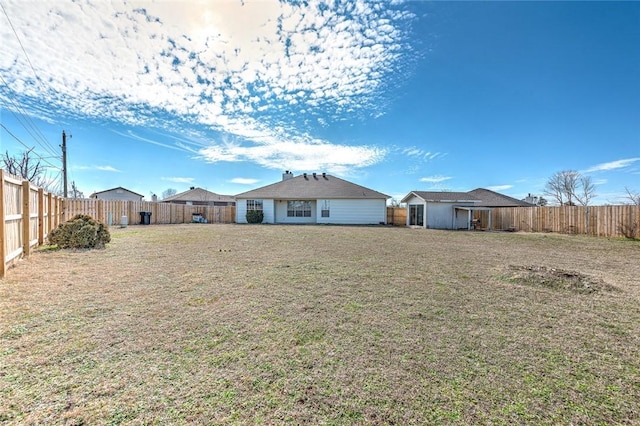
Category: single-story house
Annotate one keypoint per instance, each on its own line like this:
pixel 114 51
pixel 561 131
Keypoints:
pixel 314 198
pixel 455 210
pixel 200 197
pixel 118 193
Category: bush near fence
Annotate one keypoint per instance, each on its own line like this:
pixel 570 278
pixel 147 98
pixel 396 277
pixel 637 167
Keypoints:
pixel 29 213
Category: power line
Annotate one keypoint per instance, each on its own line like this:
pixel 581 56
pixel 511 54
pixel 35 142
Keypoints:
pixel 41 158
pixel 38 80
pixel 23 49
pixel 27 123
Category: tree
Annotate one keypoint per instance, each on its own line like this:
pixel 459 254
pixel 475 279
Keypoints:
pixel 26 167
pixel 75 192
pixel 633 197
pixel 585 190
pixel 169 192
pixel 569 187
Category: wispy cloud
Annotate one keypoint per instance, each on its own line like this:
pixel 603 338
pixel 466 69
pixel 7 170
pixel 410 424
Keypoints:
pixel 178 146
pixel 244 181
pixel 434 179
pixel 258 71
pixel 100 168
pixel 178 179
pixel 498 188
pixel 422 154
pixel 612 165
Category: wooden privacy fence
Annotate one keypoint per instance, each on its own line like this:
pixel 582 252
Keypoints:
pixel 599 221
pixel 28 215
pixel 111 212
pixel 397 216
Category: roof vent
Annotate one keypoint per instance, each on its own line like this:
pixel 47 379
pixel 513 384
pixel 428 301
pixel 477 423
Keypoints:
pixel 324 175
pixel 305 176
pixel 314 176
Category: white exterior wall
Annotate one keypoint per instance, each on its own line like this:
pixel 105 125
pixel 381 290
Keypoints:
pixel 439 216
pixel 281 213
pixel 348 212
pixel 267 209
pixel 353 212
pixel 442 216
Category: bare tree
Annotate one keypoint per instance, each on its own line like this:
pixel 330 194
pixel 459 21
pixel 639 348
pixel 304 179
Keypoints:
pixel 26 167
pixel 75 192
pixel 585 190
pixel 633 197
pixel 569 187
pixel 168 193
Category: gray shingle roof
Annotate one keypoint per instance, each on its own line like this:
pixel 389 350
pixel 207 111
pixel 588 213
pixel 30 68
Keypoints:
pixel 443 196
pixel 494 199
pixel 199 194
pixel 113 189
pixel 312 187
pixel 480 196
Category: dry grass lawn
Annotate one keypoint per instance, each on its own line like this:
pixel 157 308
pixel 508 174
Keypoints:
pixel 243 324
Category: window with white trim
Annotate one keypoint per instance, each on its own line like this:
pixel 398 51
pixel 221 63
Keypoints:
pixel 298 208
pixel 325 208
pixel 254 205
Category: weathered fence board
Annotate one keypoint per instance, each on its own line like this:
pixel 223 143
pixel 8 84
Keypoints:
pixel 397 216
pixel 28 215
pixel 111 212
pixel 601 221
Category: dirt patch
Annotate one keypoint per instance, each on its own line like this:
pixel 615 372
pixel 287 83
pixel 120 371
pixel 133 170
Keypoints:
pixel 557 279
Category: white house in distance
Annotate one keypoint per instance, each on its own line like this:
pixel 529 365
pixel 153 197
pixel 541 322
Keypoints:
pixel 118 193
pixel 314 198
pixel 454 210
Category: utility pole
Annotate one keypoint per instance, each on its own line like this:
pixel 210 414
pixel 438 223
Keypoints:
pixel 64 162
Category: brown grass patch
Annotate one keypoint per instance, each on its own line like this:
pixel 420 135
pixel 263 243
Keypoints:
pixel 558 279
pixel 233 324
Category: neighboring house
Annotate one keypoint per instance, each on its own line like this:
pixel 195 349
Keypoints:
pixel 493 199
pixel 200 197
pixel 455 210
pixel 118 193
pixel 314 198
pixel 439 210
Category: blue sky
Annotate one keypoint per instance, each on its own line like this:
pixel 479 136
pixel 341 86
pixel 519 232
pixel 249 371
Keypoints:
pixel 395 96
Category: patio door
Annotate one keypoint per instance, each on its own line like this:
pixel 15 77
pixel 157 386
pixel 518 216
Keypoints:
pixel 416 215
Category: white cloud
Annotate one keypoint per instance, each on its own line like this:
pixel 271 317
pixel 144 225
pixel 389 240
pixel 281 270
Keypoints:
pixel 434 179
pixel 178 179
pixel 244 181
pixel 499 188
pixel 612 165
pixel 100 168
pixel 254 70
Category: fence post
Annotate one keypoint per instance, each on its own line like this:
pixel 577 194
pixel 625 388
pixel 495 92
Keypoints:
pixel 2 227
pixel 49 213
pixel 26 226
pixel 40 216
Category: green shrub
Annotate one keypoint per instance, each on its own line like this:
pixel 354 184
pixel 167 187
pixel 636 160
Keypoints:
pixel 255 216
pixel 81 231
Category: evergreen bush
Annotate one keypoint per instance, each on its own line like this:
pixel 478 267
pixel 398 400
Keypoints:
pixel 255 216
pixel 81 231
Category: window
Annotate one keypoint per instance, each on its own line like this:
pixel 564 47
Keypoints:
pixel 298 208
pixel 325 209
pixel 254 205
